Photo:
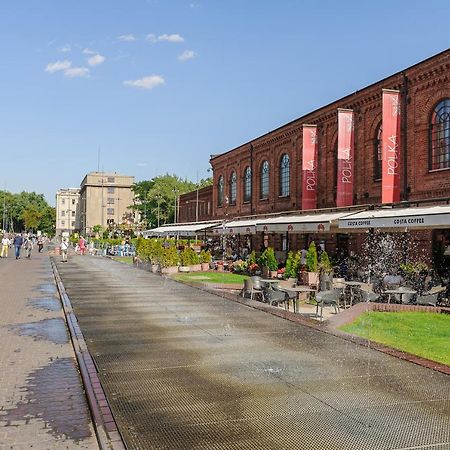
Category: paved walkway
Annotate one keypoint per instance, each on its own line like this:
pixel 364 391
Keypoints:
pixel 42 404
pixel 186 369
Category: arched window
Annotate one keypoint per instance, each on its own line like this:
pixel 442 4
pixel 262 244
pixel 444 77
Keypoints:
pixel 285 175
pixel 264 180
pixel 440 136
pixel 233 188
pixel 378 153
pixel 247 184
pixel 220 191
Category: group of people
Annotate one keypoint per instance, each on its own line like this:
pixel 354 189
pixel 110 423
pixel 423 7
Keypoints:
pixel 80 247
pixel 19 242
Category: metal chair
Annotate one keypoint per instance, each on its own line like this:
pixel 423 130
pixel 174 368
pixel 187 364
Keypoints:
pixel 248 288
pixel 369 296
pixel 275 296
pixel 328 298
pixel 427 300
pixel 257 287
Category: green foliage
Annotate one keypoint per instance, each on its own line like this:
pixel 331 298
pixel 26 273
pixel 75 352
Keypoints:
pixel 27 211
pixel 413 268
pixel 188 257
pixel 292 265
pixel 311 258
pixel 205 256
pixel 251 258
pixel 169 257
pixel 97 229
pixel 325 265
pixel 270 259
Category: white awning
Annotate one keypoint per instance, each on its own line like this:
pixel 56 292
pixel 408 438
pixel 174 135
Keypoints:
pixel 237 227
pixel 307 223
pixel 180 229
pixel 425 217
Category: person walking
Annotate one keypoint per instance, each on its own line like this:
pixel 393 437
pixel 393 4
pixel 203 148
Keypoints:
pixel 17 242
pixel 28 246
pixel 5 246
pixel 82 244
pixel 40 244
pixel 64 249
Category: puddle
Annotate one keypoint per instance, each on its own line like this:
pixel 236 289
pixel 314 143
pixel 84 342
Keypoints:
pixel 54 394
pixel 45 303
pixel 53 330
pixel 47 288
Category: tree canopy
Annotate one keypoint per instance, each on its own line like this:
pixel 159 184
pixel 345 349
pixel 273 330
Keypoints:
pixel 156 198
pixel 26 211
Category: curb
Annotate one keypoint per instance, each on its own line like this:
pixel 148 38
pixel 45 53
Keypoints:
pixel 107 433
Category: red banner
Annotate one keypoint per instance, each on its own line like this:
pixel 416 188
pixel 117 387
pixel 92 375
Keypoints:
pixel 345 168
pixel 390 184
pixel 309 167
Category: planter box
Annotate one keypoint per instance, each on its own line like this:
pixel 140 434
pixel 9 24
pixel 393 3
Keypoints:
pixel 273 274
pixel 310 278
pixel 169 270
pixel 155 268
pixel 205 267
pixel 195 268
pixel 183 268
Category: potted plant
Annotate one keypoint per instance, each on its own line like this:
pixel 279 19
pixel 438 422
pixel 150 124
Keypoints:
pixel 312 265
pixel 205 259
pixel 292 267
pixel 271 262
pixel 185 259
pixel 169 260
pixel 325 272
pixel 155 250
pixel 262 262
pixel 194 265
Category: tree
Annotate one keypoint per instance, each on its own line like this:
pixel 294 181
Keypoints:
pixel 31 217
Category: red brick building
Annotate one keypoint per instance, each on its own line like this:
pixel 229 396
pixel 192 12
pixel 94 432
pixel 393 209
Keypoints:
pixel 264 175
pixel 196 208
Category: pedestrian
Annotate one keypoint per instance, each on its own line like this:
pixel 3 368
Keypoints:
pixel 5 246
pixel 17 242
pixel 28 246
pixel 82 244
pixel 64 249
pixel 40 244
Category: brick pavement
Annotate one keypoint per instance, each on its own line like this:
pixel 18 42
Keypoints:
pixel 42 403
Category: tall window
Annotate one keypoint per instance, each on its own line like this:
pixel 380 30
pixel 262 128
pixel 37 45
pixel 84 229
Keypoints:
pixel 220 191
pixel 233 188
pixel 285 176
pixel 378 153
pixel 247 184
pixel 265 180
pixel 440 136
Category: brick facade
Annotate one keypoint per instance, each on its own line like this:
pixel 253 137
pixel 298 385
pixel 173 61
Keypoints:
pixel 187 211
pixel 422 86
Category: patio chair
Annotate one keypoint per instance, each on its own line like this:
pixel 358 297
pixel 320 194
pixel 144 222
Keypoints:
pixel 427 300
pixel 406 299
pixel 330 297
pixel 275 296
pixel 248 288
pixel 257 287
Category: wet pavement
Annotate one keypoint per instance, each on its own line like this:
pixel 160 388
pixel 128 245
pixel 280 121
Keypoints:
pixel 186 369
pixel 42 402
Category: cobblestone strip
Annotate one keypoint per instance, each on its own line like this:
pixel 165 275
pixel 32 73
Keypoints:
pixel 105 426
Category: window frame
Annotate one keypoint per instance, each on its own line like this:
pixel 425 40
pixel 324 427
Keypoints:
pixel 264 183
pixel 220 191
pixel 233 188
pixel 442 158
pixel 284 176
pixel 377 152
pixel 247 184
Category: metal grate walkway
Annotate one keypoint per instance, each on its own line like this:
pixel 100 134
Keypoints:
pixel 184 369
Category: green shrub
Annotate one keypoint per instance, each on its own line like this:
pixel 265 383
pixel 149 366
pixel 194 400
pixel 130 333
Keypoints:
pixel 169 257
pixel 292 265
pixel 205 256
pixel 188 257
pixel 311 258
pixel 270 258
pixel 325 265
pixel 251 258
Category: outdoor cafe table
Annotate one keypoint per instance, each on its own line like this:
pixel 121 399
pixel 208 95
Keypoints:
pixel 298 289
pixel 352 286
pixel 399 292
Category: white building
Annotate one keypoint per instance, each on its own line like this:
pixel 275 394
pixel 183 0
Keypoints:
pixel 67 210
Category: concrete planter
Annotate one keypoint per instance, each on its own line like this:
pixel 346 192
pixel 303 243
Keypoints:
pixel 169 270
pixel 205 267
pixel 273 274
pixel 195 268
pixel 184 269
pixel 155 268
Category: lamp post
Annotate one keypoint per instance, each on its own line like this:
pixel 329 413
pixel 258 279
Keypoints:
pixel 158 198
pixel 175 192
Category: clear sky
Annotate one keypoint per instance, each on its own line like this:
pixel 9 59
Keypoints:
pixel 159 85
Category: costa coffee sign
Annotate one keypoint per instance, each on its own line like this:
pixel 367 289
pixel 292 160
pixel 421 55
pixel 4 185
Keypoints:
pixel 345 158
pixel 390 183
pixel 309 167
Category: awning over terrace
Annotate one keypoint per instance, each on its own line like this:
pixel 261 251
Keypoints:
pixel 306 223
pixel 180 229
pixel 425 217
pixel 237 227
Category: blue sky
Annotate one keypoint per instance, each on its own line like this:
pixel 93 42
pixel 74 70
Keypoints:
pixel 159 85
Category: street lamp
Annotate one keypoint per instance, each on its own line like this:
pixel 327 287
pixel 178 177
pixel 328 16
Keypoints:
pixel 175 192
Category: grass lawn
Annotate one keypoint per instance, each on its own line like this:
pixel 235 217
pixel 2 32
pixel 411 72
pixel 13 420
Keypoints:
pixel 420 333
pixel 124 259
pixel 211 277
